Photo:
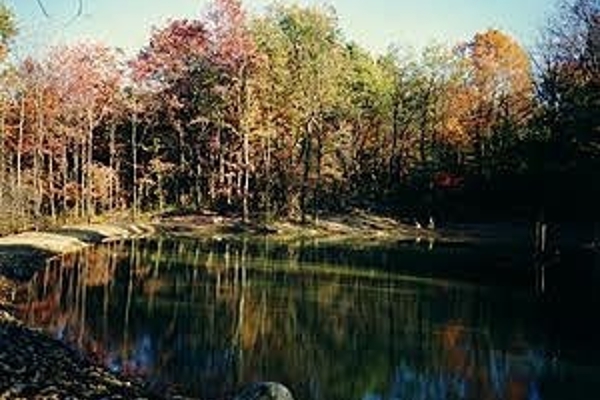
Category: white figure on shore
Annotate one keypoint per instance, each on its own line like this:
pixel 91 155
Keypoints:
pixel 431 224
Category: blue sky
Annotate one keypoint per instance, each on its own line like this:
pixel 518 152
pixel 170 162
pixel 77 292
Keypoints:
pixel 375 24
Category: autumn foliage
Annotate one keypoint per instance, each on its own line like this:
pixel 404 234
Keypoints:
pixel 278 115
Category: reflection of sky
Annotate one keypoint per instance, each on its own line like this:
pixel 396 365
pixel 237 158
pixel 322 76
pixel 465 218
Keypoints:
pixel 140 361
pixel 410 384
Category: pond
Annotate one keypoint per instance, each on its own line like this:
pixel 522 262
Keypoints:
pixel 330 322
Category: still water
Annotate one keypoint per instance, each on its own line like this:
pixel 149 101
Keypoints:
pixel 330 322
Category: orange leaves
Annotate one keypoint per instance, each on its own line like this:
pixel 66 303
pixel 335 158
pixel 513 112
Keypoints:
pixel 497 89
pixel 500 67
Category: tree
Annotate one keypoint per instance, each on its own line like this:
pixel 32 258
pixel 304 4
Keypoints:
pixel 174 71
pixel 304 52
pixel 8 29
pixel 569 89
pixel 499 96
pixel 87 79
pixel 369 88
pixel 233 51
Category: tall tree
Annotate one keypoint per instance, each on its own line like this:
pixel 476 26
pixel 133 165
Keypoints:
pixel 499 91
pixel 233 51
pixel 304 48
pixel 87 78
pixel 569 91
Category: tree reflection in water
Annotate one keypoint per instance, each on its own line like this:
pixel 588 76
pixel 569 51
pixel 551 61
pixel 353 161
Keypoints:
pixel 207 317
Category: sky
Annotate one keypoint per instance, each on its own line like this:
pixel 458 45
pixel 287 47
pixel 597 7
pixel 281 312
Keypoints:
pixel 374 24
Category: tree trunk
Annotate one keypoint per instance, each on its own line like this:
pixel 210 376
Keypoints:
pixel 306 154
pixel 111 164
pixel 2 154
pixel 51 194
pixel 83 178
pixel 268 179
pixel 317 189
pixel 20 145
pixel 90 161
pixel 134 163
pixel 182 164
pixel 37 157
pixel 393 164
pixel 65 177
pixel 246 187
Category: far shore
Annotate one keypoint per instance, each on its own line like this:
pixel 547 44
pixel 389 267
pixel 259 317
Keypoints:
pixel 355 227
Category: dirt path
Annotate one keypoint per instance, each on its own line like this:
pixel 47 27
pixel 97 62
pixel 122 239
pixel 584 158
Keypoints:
pixel 353 227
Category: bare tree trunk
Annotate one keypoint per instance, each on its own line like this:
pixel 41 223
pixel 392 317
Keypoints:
pixel 90 154
pixel 198 186
pixel 268 178
pixel 65 177
pixel 20 144
pixel 2 153
pixel 134 160
pixel 317 188
pixel 306 155
pixel 243 108
pixel 161 194
pixel 83 178
pixel 37 155
pixel 182 162
pixel 51 187
pixel 246 187
pixel 111 164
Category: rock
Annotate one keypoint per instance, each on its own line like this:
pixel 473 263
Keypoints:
pixel 264 391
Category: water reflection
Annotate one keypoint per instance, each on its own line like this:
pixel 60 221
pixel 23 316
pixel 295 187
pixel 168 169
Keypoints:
pixel 209 317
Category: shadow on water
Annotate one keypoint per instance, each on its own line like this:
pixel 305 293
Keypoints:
pixel 330 322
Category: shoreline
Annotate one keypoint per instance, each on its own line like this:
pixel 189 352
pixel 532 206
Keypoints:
pixel 353 227
pixel 31 373
pixel 33 364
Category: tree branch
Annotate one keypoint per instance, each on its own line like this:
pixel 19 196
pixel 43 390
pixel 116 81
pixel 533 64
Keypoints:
pixel 43 8
pixel 77 14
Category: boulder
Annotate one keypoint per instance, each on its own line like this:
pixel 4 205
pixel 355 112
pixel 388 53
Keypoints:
pixel 264 391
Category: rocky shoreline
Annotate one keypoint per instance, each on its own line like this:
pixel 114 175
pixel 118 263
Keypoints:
pixel 32 364
pixel 35 366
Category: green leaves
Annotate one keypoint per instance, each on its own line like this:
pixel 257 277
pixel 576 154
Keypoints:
pixel 8 29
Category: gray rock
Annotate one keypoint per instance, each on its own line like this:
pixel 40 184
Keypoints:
pixel 264 391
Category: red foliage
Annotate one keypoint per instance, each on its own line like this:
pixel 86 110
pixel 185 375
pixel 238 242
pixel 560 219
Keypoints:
pixel 232 46
pixel 171 51
pixel 448 180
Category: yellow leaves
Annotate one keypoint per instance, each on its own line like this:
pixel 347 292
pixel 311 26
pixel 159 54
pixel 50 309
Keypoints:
pixel 497 85
pixel 455 132
pixel 500 66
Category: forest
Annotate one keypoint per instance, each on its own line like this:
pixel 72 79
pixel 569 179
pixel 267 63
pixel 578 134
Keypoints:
pixel 278 115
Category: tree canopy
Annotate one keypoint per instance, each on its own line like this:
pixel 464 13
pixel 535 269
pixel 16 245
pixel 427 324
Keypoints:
pixel 278 114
